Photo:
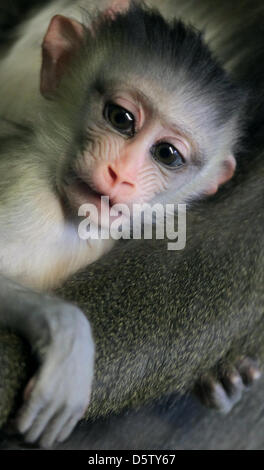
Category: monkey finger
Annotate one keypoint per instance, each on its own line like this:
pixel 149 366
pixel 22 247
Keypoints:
pixel 29 388
pixel 118 6
pixel 233 385
pixel 68 428
pixel 220 394
pixel 39 424
pixel 27 414
pixel 54 428
pixel 226 390
pixel 212 394
pixel 249 371
pixel 220 399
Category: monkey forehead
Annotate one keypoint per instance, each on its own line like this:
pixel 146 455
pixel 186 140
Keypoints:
pixel 178 101
pixel 141 43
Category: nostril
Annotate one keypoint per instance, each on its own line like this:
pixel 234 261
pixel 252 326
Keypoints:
pixel 117 178
pixel 128 184
pixel 112 174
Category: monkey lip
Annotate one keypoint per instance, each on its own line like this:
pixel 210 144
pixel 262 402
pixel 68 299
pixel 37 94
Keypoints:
pixel 79 193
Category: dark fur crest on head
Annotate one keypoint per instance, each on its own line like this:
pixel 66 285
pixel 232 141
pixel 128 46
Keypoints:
pixel 142 36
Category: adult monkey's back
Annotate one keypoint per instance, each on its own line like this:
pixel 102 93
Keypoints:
pixel 208 283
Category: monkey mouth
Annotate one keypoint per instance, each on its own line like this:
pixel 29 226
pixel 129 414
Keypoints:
pixel 78 193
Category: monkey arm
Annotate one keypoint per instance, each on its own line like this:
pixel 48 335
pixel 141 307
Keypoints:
pixel 60 337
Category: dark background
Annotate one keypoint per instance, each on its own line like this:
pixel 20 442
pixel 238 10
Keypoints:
pixel 12 12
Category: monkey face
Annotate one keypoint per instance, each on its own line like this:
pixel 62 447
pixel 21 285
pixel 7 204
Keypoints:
pixel 127 153
pixel 145 123
pixel 132 151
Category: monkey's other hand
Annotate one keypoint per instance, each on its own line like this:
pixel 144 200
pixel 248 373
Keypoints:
pixel 225 390
pixel 57 397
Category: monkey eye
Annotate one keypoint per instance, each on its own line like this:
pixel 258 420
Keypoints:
pixel 120 118
pixel 167 154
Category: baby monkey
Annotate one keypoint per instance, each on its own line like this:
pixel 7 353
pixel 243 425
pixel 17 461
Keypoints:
pixel 138 110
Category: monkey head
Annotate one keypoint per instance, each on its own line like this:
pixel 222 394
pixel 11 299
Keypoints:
pixel 140 108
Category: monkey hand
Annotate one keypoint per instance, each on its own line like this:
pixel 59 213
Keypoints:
pixel 225 390
pixel 57 397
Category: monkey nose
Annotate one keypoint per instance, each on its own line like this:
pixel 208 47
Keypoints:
pixel 120 178
pixel 118 184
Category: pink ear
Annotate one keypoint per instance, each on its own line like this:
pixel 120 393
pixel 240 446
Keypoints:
pixel 225 174
pixel 62 40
